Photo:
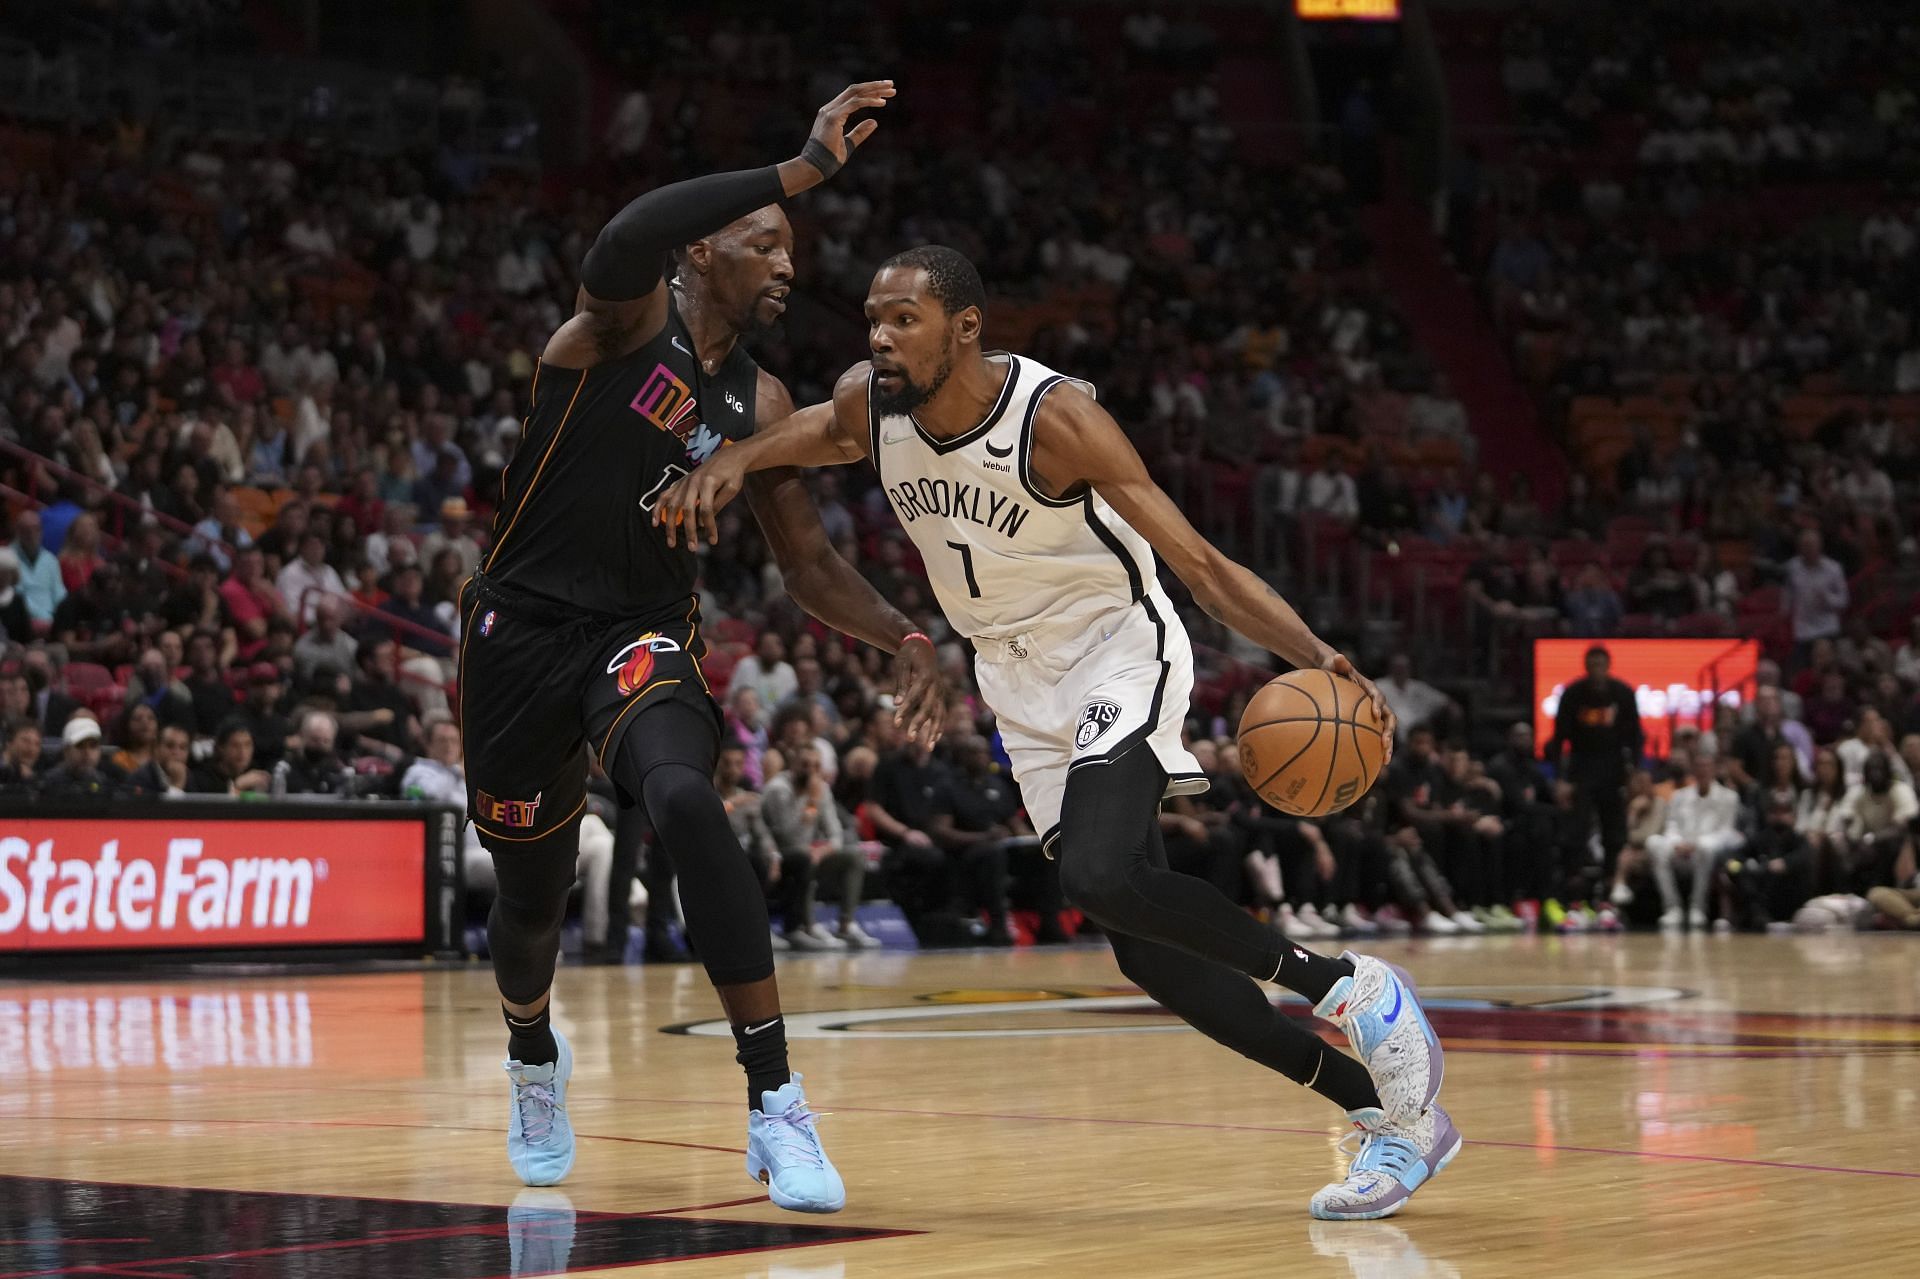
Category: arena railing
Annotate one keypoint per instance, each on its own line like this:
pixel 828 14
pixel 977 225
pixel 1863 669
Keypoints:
pixel 115 497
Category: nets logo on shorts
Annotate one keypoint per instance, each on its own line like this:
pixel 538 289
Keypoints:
pixel 1099 715
pixel 632 666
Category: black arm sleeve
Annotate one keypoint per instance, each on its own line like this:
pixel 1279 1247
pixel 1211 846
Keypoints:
pixel 625 260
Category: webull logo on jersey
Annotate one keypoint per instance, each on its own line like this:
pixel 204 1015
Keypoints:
pixel 99 892
pixel 1099 716
pixel 632 666
pixel 955 500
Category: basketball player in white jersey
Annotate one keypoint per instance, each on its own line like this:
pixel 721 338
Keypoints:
pixel 1038 524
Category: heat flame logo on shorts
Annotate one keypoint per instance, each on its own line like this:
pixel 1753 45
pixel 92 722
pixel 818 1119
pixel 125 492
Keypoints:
pixel 632 666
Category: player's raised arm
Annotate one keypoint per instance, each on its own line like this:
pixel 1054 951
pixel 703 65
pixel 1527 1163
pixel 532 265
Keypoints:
pixel 623 301
pixel 830 434
pixel 1076 442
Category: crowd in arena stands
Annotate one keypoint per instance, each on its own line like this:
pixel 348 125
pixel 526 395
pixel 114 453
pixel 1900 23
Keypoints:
pixel 255 403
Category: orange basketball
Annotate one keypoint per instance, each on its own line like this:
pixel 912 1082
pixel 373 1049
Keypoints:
pixel 1310 743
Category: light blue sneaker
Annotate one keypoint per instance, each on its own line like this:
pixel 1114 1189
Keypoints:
pixel 1381 1014
pixel 539 1134
pixel 1393 1161
pixel 784 1152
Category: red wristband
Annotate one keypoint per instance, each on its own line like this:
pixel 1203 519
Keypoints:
pixel 916 635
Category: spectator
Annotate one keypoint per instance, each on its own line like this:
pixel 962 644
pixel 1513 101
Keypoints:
pixel 1873 735
pixel 308 580
pixel 154 685
pixel 166 774
pixel 138 733
pixel 452 535
pixel 80 552
pixel 424 632
pixel 1331 491
pixel 1775 878
pixel 1415 703
pixel 16 624
pixel 325 644
pixel 206 686
pixel 1597 741
pixel 975 815
pixel 93 622
pixel 41 583
pixel 1593 607
pixel 1815 595
pixel 80 774
pixel 1755 744
pixel 379 708
pixel 315 768
pixel 805 823
pixel 766 671
pixel 229 770
pixel 1703 825
pixel 1873 823
pixel 250 601
pixel 746 815
pixel 260 712
pixel 20 769
pixel 221 534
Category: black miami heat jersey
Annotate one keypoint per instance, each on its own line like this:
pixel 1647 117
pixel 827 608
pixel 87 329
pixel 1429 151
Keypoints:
pixel 575 523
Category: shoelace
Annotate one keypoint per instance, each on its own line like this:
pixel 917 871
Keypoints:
pixel 538 1106
pixel 792 1130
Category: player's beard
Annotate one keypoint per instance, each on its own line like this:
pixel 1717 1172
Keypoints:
pixel 911 394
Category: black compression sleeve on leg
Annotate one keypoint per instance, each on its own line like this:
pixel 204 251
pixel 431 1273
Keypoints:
pixel 625 260
pixel 523 928
pixel 667 757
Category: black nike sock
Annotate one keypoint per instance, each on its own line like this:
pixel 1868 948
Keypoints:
pixel 530 1040
pixel 762 1053
pixel 1343 1080
pixel 1310 975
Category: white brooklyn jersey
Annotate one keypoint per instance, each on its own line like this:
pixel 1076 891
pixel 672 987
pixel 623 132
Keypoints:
pixel 1002 556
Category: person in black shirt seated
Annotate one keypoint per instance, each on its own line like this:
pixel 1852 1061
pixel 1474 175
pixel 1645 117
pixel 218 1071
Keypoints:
pixel 316 768
pixel 907 790
pixel 166 774
pixel 93 621
pixel 378 708
pixel 408 603
pixel 230 770
pixel 261 714
pixel 206 685
pixel 16 623
pixel 80 774
pixel 20 766
pixel 975 815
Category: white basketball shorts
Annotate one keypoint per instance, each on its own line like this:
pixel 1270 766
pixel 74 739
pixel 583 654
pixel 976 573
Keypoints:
pixel 1079 700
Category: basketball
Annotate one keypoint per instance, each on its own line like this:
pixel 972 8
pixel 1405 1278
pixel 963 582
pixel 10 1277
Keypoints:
pixel 1310 743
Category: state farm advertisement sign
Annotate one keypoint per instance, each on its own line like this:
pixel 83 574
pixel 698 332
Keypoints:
pixel 136 884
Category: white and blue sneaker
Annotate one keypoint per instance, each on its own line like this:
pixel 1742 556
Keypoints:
pixel 784 1152
pixel 1393 1161
pixel 1381 1013
pixel 539 1134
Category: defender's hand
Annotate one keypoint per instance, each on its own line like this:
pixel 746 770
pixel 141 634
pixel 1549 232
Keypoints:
pixel 695 500
pixel 1339 665
pixel 920 692
pixel 831 144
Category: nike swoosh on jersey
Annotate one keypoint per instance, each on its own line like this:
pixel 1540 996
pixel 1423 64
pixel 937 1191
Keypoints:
pixel 678 345
pixel 894 439
pixel 1005 452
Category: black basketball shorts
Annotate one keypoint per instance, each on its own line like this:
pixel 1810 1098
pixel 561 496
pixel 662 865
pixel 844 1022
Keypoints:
pixel 544 690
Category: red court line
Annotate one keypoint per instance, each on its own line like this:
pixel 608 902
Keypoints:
pixel 363 1123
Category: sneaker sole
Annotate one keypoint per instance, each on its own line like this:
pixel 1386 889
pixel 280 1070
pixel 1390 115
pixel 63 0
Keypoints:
pixel 1440 1166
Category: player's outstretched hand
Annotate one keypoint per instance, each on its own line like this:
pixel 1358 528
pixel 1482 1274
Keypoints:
pixel 831 144
pixel 695 500
pixel 920 693
pixel 1339 665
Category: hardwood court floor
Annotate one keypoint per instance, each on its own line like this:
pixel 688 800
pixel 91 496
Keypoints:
pixel 1632 1106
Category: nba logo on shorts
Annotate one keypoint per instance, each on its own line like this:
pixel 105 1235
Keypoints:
pixel 1096 719
pixel 486 624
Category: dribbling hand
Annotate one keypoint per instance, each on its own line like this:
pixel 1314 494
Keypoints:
pixel 1339 665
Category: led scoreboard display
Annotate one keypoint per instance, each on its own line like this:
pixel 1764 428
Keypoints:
pixel 1365 10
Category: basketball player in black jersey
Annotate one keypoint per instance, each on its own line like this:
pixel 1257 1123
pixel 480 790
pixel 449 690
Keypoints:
pixel 582 631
